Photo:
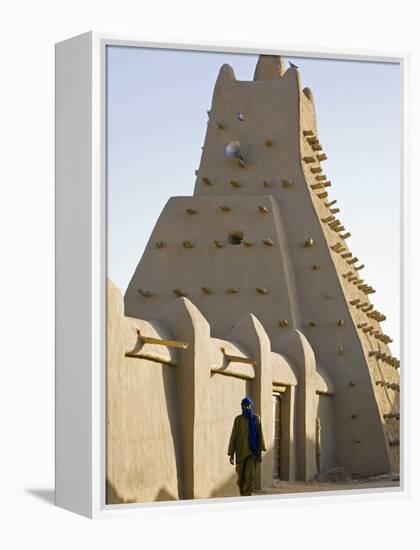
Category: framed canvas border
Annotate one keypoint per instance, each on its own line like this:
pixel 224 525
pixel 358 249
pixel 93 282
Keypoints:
pixel 80 174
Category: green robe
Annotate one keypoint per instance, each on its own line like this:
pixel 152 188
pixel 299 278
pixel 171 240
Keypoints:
pixel 238 443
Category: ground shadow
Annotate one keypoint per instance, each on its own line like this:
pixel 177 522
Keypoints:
pixel 227 489
pixel 163 494
pixel 112 495
pixel 47 495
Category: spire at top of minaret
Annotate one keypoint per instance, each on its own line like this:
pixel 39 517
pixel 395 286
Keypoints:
pixel 269 67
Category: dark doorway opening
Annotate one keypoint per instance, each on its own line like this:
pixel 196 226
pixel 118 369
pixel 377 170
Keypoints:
pixel 277 396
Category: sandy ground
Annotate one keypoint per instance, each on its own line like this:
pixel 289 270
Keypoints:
pixel 284 487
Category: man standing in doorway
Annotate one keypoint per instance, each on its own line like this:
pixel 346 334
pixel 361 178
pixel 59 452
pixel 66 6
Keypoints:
pixel 247 442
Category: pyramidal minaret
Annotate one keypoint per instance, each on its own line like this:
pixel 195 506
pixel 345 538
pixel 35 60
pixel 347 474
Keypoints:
pixel 262 234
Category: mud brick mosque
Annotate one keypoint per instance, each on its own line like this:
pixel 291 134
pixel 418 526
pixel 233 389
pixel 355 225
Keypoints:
pixel 249 287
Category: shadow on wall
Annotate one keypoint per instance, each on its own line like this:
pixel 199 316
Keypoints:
pixel 170 389
pixel 112 496
pixel 267 456
pixel 396 432
pixel 226 488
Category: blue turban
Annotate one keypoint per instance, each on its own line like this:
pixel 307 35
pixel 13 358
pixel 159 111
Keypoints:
pixel 252 425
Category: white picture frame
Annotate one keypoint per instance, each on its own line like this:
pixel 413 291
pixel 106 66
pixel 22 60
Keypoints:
pixel 81 274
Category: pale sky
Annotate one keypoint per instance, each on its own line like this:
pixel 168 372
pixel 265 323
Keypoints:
pixel 157 102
